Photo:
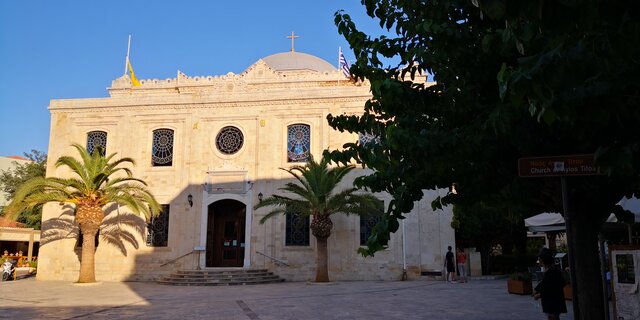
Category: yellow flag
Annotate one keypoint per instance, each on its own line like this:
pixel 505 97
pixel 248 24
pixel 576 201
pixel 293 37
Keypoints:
pixel 134 80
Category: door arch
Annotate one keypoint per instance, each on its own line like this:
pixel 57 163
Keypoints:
pixel 225 240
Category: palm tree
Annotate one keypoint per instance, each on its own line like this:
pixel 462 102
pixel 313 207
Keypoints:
pixel 317 197
pixel 99 182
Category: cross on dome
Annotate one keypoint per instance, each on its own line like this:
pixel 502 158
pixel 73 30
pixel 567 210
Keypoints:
pixel 292 37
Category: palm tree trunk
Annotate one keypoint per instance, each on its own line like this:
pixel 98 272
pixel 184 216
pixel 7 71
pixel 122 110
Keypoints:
pixel 87 265
pixel 89 217
pixel 322 270
pixel 321 229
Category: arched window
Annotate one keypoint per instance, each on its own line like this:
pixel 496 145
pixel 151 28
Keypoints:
pixel 162 149
pixel 298 142
pixel 97 139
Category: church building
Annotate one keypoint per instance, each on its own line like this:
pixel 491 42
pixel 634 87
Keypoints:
pixel 210 148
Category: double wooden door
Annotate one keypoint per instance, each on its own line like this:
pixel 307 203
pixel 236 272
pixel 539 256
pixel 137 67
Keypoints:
pixel 226 234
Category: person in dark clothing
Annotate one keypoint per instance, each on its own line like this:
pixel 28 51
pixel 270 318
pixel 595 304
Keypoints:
pixel 550 288
pixel 450 265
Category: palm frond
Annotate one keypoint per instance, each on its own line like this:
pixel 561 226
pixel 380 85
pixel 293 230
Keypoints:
pixel 76 166
pixel 283 205
pixel 272 214
pixel 315 193
pixel 93 183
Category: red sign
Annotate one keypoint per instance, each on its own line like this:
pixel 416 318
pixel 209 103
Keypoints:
pixel 575 165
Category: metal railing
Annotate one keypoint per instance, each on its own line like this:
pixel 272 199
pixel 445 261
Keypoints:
pixel 277 261
pixel 176 259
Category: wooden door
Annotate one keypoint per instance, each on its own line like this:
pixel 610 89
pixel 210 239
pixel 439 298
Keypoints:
pixel 225 234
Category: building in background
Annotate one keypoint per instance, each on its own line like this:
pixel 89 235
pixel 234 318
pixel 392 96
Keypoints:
pixel 210 148
pixel 14 237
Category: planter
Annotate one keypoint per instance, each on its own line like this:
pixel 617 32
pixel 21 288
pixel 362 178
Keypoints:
pixel 568 292
pixel 519 286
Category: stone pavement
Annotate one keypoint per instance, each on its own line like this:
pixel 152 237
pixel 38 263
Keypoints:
pixel 417 299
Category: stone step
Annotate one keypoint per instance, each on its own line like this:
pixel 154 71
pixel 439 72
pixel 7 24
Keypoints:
pixel 174 278
pixel 217 282
pixel 222 272
pixel 238 278
pixel 219 277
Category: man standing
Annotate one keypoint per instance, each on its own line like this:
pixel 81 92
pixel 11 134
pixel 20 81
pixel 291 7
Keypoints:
pixel 450 265
pixel 461 259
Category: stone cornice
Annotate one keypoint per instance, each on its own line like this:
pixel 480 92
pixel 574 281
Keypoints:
pixel 110 104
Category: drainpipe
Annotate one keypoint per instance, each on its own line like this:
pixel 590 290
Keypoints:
pixel 404 254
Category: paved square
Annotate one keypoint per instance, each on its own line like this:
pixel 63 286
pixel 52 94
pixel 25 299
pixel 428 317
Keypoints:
pixel 418 299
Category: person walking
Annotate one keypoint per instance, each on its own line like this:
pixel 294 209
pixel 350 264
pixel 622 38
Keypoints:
pixel 550 289
pixel 461 259
pixel 450 265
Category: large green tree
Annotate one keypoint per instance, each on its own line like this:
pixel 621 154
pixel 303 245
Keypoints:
pixel 11 178
pixel 316 196
pixel 513 79
pixel 98 182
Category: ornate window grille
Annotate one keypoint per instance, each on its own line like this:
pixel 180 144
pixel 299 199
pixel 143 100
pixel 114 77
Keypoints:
pixel 97 139
pixel 368 138
pixel 158 229
pixel 297 230
pixel 162 149
pixel 229 140
pixel 298 142
pixel 367 222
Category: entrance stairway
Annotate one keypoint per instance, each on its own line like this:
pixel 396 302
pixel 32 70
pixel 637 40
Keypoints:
pixel 220 277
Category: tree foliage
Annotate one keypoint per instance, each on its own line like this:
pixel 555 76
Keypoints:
pixel 12 178
pixel 512 80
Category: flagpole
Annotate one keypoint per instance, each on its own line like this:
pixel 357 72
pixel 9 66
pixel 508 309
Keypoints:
pixel 339 66
pixel 126 62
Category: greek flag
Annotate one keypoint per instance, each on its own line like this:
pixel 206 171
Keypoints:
pixel 344 65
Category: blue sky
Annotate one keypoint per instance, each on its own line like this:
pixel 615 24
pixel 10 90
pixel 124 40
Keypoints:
pixel 74 49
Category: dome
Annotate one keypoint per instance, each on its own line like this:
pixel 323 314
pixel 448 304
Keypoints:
pixel 289 61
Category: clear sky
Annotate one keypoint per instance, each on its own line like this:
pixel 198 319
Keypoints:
pixel 74 49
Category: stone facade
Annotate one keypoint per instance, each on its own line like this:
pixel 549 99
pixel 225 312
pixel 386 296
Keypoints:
pixel 261 103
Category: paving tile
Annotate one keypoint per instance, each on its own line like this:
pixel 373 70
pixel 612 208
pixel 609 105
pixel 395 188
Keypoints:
pixel 417 299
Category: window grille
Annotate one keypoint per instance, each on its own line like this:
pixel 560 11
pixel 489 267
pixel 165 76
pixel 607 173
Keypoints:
pixel 368 138
pixel 229 140
pixel 367 222
pixel 297 230
pixel 97 139
pixel 158 229
pixel 162 149
pixel 298 142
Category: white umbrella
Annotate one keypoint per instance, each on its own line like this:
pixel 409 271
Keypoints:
pixel 545 222
pixel 553 221
pixel 632 204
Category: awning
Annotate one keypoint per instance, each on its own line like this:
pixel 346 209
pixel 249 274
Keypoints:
pixel 632 204
pixel 545 222
pixel 553 221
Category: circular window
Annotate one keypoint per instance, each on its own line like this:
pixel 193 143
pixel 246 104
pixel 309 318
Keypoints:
pixel 229 140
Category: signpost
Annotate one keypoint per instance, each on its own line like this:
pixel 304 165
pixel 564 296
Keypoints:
pixel 563 166
pixel 558 166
